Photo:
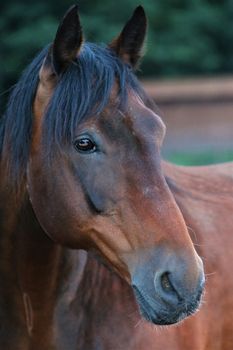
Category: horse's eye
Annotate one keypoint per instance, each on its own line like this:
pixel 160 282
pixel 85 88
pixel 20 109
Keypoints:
pixel 84 144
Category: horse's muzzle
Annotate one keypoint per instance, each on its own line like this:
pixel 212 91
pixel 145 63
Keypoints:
pixel 171 292
pixel 162 311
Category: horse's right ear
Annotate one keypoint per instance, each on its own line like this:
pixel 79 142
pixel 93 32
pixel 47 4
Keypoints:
pixel 66 45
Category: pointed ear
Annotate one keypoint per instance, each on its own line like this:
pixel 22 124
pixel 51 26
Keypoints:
pixel 66 45
pixel 129 44
pixel 68 40
pixel 62 52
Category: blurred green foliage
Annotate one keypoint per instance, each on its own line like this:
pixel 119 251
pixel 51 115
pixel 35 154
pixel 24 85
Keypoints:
pixel 203 158
pixel 185 36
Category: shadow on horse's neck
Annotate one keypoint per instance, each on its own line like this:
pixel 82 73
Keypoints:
pixel 29 265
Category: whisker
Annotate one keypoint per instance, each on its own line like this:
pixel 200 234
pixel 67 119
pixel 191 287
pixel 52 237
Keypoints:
pixel 198 245
pixel 191 230
pixel 210 274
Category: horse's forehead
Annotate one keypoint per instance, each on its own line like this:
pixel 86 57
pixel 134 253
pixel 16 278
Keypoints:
pixel 140 113
pixel 138 119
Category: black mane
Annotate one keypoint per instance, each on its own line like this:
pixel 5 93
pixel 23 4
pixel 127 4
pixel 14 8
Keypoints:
pixel 84 88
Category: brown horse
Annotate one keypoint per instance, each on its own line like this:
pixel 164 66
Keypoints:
pixel 80 168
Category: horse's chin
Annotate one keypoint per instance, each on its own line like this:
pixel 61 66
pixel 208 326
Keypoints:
pixel 162 314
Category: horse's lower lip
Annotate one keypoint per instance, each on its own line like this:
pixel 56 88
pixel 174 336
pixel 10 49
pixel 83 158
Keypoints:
pixel 160 317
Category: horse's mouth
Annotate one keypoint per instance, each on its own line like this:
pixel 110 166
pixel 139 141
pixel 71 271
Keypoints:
pixel 161 314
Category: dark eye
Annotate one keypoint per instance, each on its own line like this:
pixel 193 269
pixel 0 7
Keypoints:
pixel 84 144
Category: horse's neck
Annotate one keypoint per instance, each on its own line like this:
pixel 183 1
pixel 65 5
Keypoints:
pixel 33 274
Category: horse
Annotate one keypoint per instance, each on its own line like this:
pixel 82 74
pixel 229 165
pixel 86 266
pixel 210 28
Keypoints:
pixel 94 226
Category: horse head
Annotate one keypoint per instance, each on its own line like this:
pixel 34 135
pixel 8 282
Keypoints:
pixel 94 175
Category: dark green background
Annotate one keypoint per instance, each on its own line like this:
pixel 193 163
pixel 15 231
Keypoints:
pixel 186 37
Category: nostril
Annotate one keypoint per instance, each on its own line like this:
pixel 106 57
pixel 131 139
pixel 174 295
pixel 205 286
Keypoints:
pixel 166 283
pixel 165 288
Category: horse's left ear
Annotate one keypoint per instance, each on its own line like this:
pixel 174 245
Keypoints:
pixel 129 44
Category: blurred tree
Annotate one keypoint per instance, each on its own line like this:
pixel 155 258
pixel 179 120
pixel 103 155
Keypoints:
pixel 185 37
